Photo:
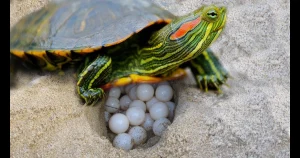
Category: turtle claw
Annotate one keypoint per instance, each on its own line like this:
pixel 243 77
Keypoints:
pixel 211 82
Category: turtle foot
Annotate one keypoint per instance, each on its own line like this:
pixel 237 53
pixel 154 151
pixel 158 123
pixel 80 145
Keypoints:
pixel 209 72
pixel 211 82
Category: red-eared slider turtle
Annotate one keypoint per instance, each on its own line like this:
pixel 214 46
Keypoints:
pixel 120 42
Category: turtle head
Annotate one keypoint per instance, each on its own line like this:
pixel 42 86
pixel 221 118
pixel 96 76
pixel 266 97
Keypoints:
pixel 185 38
pixel 197 30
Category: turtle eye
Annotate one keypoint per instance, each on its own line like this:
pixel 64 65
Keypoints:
pixel 212 14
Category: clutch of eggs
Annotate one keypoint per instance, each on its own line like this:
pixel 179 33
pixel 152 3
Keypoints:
pixel 135 112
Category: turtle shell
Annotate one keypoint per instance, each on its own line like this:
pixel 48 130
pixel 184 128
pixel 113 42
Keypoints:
pixel 82 26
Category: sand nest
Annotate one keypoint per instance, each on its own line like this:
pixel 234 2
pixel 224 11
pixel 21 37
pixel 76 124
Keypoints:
pixel 251 118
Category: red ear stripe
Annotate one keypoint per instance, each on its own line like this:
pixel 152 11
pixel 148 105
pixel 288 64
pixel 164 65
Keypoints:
pixel 185 28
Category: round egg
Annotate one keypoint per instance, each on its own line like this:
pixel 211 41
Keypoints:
pixel 112 105
pixel 138 134
pixel 159 110
pixel 114 92
pixel 160 125
pixel 118 123
pixel 144 92
pixel 148 122
pixel 123 141
pixel 124 102
pixel 135 116
pixel 164 93
pixel 139 104
pixel 151 102
pixel 132 93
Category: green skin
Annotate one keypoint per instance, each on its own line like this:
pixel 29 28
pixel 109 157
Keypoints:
pixel 162 56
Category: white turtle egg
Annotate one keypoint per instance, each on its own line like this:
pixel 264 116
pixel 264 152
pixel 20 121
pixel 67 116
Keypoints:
pixel 107 116
pixel 171 107
pixel 118 123
pixel 144 92
pixel 124 102
pixel 138 134
pixel 151 102
pixel 164 93
pixel 114 92
pixel 135 116
pixel 123 141
pixel 139 104
pixel 159 110
pixel 112 105
pixel 128 87
pixel 160 125
pixel 148 122
pixel 132 93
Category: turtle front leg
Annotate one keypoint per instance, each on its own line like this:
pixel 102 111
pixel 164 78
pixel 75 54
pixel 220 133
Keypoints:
pixel 208 71
pixel 92 76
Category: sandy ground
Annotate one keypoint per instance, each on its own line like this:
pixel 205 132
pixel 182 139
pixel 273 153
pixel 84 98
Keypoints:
pixel 251 118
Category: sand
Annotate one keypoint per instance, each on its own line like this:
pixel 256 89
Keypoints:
pixel 250 119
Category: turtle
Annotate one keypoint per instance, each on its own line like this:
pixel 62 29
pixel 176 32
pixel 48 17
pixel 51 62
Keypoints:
pixel 116 43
